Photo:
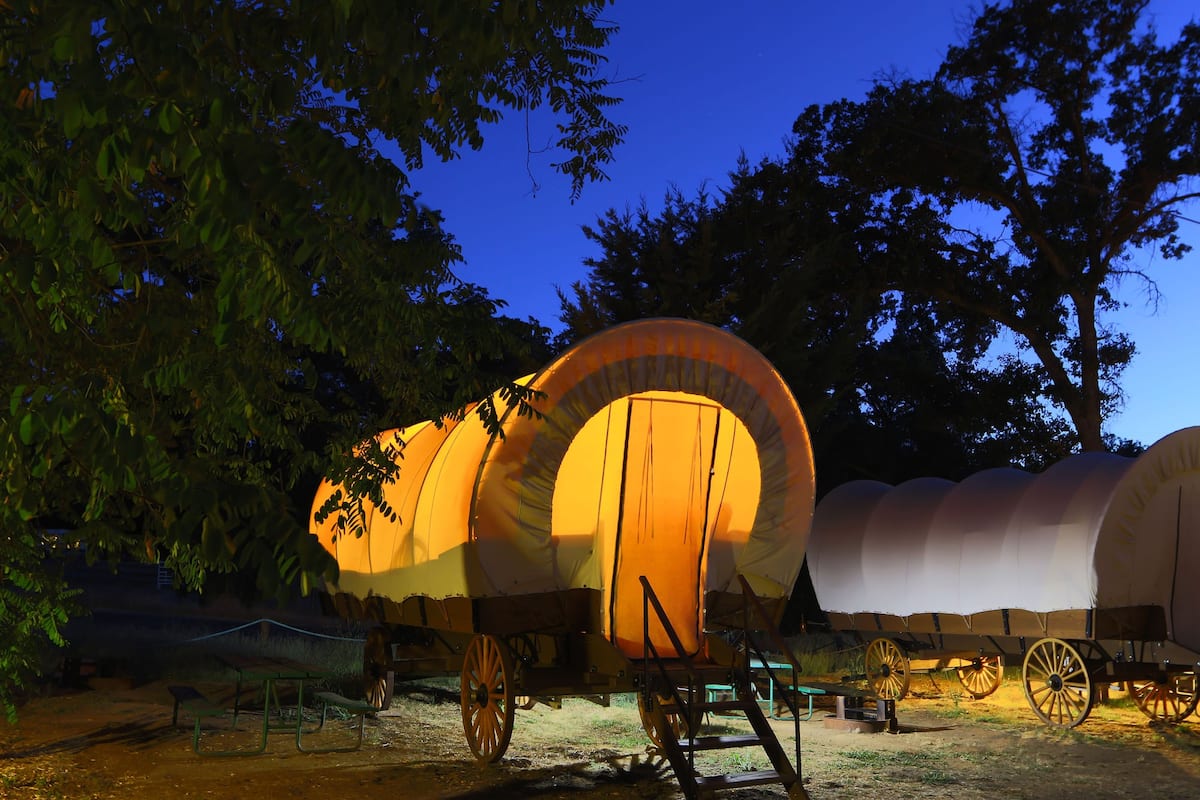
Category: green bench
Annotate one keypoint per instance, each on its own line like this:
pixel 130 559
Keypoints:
pixel 200 707
pixel 358 708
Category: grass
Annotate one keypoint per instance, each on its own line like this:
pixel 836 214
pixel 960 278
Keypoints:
pixel 35 778
pixel 608 725
pixel 956 710
pixel 993 719
pixel 878 759
pixel 39 787
pixel 929 764
pixel 975 757
pixel 937 777
pixel 817 662
pixel 733 761
pixel 1120 700
pixel 620 733
pixel 825 655
pixel 627 699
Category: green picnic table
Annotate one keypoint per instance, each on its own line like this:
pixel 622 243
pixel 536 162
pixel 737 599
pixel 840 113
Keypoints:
pixel 783 671
pixel 269 671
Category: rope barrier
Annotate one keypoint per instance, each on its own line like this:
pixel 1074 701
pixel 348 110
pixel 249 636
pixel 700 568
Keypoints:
pixel 273 622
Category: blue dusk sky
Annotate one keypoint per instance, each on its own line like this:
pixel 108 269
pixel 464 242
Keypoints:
pixel 704 81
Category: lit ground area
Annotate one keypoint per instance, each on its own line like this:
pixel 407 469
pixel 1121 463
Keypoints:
pixel 115 740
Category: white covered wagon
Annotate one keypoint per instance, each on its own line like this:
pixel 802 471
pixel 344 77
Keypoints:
pixel 1087 572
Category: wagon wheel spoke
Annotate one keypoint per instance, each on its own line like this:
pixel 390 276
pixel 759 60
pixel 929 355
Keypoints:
pixel 1170 698
pixel 1052 709
pixel 982 676
pixel 1071 701
pixel 1045 704
pixel 1073 675
pixel 487 695
pixel 1038 691
pixel 887 670
pixel 1045 658
pixel 1056 682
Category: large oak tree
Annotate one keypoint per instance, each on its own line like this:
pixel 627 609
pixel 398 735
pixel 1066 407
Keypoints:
pixel 1059 143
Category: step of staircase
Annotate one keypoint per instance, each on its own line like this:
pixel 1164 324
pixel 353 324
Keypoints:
pixel 661 681
pixel 724 742
pixel 741 780
pixel 719 706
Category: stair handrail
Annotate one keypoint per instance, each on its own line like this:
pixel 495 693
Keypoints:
pixel 751 601
pixel 649 595
pixel 650 600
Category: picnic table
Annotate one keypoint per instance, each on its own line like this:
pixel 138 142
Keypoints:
pixel 269 671
pixel 766 688
pixel 776 705
pixel 772 701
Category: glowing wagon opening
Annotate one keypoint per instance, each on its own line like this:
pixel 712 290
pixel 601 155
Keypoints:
pixel 664 448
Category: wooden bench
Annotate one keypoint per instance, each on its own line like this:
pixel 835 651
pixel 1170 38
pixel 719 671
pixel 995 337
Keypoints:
pixel 358 708
pixel 193 702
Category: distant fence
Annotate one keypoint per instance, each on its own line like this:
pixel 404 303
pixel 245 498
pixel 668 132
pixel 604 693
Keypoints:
pixel 264 624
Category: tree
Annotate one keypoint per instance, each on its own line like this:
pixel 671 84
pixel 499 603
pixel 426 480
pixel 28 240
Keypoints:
pixel 764 260
pixel 920 409
pixel 791 260
pixel 1059 143
pixel 663 265
pixel 215 280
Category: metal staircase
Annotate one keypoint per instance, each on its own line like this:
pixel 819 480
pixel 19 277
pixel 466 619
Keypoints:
pixel 673 693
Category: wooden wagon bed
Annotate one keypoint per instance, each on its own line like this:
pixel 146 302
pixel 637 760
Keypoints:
pixel 1134 622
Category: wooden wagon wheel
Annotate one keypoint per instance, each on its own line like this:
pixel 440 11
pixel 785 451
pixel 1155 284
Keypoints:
pixel 982 676
pixel 487 697
pixel 1170 698
pixel 887 669
pixel 1057 684
pixel 378 677
pixel 677 723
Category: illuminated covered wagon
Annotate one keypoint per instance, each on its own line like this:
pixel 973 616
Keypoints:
pixel 1087 571
pixel 666 449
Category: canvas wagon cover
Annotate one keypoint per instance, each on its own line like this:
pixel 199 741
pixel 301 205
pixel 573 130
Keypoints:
pixel 1095 531
pixel 665 447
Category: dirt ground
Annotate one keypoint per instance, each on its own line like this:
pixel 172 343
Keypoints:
pixel 116 741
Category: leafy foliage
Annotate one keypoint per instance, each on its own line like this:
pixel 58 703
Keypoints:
pixel 35 602
pixel 794 262
pixel 1059 142
pixel 215 283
